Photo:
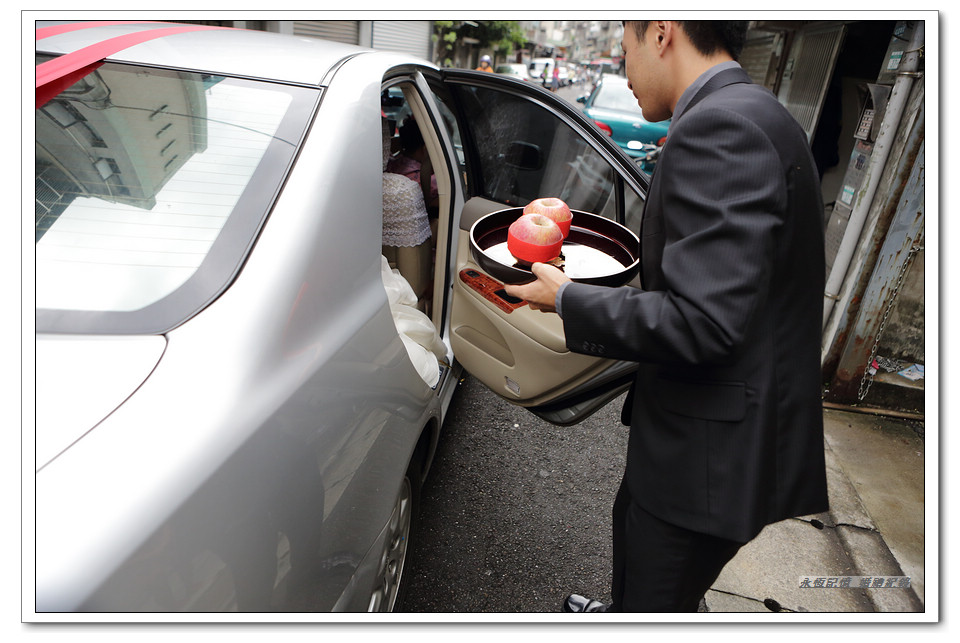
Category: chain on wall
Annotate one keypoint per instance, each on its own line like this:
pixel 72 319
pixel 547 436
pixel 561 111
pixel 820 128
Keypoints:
pixel 869 370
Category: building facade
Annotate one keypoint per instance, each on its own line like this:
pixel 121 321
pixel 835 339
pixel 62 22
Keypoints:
pixel 413 37
pixel 858 90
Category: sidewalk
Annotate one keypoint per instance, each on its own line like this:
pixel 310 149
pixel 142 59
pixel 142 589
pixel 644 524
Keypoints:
pixel 875 527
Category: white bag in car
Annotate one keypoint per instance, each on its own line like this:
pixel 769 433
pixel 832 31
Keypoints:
pixel 418 333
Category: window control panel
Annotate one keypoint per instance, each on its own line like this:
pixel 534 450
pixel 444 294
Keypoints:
pixel 491 290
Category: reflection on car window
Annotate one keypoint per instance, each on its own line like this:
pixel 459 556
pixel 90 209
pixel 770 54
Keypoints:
pixel 453 131
pixel 394 105
pixel 633 207
pixel 525 152
pixel 138 173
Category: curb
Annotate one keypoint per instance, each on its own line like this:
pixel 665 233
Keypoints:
pixel 863 542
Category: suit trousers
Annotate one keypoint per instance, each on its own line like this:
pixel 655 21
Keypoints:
pixel 658 566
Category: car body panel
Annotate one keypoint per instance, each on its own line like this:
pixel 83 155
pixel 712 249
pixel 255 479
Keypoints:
pixel 84 380
pixel 273 374
pixel 255 465
pixel 230 52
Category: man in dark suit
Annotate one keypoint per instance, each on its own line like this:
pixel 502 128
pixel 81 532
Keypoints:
pixel 725 416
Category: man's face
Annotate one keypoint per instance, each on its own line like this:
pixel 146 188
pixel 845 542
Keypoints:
pixel 642 67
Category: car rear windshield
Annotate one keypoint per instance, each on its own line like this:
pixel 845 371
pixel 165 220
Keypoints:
pixel 616 96
pixel 151 186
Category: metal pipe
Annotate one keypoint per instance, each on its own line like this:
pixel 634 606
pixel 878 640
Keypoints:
pixel 902 415
pixel 878 159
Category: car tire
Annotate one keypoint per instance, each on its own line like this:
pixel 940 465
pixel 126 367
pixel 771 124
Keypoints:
pixel 391 587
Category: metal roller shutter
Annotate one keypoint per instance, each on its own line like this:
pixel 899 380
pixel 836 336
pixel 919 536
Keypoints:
pixel 406 36
pixel 346 31
pixel 808 72
pixel 756 60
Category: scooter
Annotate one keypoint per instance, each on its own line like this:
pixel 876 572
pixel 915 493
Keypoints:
pixel 647 160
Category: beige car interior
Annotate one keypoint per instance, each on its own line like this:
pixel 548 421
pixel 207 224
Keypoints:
pixel 520 354
pixel 418 265
pixel 406 219
pixel 517 352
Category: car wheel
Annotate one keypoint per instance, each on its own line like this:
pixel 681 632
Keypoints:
pixel 396 549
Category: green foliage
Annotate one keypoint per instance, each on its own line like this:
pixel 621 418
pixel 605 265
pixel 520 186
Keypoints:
pixel 502 35
pixel 499 35
pixel 445 35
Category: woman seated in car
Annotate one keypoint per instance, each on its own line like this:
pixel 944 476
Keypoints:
pixel 406 241
pixel 413 162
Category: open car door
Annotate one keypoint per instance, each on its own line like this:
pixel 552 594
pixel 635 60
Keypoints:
pixel 516 142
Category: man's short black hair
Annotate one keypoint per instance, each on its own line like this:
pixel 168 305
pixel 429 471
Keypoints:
pixel 707 36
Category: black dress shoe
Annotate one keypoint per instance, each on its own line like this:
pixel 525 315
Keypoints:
pixel 577 603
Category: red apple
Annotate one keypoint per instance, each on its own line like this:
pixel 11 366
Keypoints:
pixel 554 208
pixel 534 237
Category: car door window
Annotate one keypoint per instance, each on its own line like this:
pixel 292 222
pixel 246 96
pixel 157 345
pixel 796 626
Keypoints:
pixel 453 131
pixel 524 151
pixel 633 207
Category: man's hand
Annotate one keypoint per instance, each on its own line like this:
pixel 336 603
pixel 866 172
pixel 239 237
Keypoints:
pixel 542 293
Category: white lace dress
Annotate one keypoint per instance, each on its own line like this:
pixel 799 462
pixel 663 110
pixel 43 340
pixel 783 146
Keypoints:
pixel 405 222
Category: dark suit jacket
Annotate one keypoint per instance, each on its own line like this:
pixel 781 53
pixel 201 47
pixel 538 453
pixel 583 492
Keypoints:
pixel 725 412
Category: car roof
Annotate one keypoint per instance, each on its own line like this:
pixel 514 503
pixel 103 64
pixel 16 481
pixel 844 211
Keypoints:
pixel 221 51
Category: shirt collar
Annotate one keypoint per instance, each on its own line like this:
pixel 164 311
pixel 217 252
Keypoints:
pixel 698 84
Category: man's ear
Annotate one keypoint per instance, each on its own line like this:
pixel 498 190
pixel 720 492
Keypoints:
pixel 665 31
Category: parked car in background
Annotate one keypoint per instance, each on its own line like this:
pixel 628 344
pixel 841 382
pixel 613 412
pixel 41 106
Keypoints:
pixel 238 396
pixel 516 70
pixel 537 66
pixel 613 107
pixel 603 66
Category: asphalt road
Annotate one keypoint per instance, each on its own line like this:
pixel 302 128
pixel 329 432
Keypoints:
pixel 572 92
pixel 516 511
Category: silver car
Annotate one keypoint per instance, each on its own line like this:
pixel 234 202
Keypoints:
pixel 234 408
